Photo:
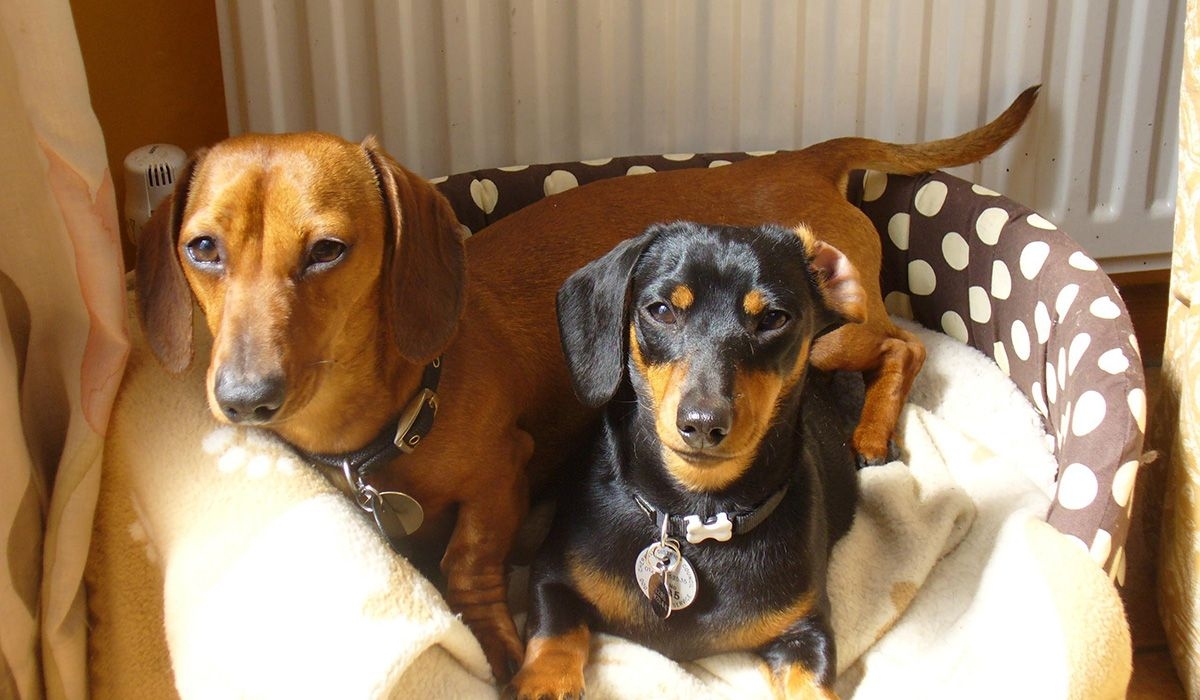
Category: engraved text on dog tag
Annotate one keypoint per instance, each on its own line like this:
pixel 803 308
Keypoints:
pixel 676 577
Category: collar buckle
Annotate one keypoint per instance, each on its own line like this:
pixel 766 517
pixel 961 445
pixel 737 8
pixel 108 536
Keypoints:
pixel 424 403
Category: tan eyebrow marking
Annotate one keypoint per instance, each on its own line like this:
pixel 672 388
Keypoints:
pixel 754 303
pixel 682 297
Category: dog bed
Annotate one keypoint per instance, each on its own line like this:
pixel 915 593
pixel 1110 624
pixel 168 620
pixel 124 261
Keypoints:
pixel 964 260
pixel 973 569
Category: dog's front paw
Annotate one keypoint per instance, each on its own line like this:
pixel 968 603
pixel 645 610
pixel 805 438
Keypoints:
pixel 890 455
pixel 553 666
pixel 795 682
pixel 547 682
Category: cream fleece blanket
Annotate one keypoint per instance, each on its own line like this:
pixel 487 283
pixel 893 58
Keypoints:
pixel 273 585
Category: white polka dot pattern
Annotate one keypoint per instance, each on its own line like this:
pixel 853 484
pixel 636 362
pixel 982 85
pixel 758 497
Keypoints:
pixel 921 280
pixel 517 186
pixel 1105 308
pixel 874 183
pixel 559 181
pixel 990 223
pixel 954 326
pixel 1032 258
pixel 1077 487
pixel 898 230
pixel 956 251
pixel 1036 221
pixel 1101 547
pixel 1001 280
pixel 1080 261
pixel 1114 361
pixel 1137 407
pixel 1038 399
pixel 1041 321
pixel 1066 297
pixel 1000 355
pixel 484 194
pixel 985 270
pixel 1123 482
pixel 1020 340
pixel 930 198
pixel 1089 413
pixel 981 306
pixel 1079 345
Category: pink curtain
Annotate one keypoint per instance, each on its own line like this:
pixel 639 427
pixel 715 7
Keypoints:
pixel 63 345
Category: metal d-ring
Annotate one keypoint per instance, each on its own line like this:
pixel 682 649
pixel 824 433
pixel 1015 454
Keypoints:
pixel 365 495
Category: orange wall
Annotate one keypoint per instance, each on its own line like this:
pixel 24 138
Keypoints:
pixel 154 72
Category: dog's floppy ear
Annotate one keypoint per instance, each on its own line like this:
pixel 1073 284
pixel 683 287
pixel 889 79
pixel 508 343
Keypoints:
pixel 592 319
pixel 837 283
pixel 425 272
pixel 164 300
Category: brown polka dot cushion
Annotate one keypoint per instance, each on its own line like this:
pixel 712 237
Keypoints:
pixel 996 275
pixel 988 271
pixel 481 197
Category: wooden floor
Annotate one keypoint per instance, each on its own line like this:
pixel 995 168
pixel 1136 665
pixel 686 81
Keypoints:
pixel 1154 675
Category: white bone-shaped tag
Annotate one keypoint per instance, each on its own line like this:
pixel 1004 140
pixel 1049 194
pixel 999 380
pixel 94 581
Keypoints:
pixel 718 528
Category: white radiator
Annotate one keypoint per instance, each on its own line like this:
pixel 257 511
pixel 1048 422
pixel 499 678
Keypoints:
pixel 451 85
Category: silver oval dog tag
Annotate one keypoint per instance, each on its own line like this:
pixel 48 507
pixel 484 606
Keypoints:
pixel 397 514
pixel 658 590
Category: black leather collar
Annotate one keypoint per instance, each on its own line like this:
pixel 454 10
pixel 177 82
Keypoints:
pixel 721 527
pixel 398 438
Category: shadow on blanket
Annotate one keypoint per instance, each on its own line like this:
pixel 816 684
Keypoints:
pixel 271 584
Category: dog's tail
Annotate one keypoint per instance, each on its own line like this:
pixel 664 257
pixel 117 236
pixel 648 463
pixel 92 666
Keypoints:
pixel 837 157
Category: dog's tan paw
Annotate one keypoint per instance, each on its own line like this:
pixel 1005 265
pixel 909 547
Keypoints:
pixel 795 682
pixel 547 684
pixel 553 667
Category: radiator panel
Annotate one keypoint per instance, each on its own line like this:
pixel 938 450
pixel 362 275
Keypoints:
pixel 461 84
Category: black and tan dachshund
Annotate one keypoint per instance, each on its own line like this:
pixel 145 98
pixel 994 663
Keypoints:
pixel 704 514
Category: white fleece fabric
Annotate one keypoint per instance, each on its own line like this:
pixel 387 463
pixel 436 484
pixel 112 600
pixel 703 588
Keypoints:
pixel 272 584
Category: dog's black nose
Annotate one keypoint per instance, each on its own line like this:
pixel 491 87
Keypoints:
pixel 703 424
pixel 249 400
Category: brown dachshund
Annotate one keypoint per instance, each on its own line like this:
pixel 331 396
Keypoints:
pixel 336 287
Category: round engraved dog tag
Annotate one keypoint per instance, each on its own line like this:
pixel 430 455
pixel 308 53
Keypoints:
pixel 398 515
pixel 673 575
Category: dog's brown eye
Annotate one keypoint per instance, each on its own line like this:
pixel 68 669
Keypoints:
pixel 325 252
pixel 773 320
pixel 204 250
pixel 661 312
